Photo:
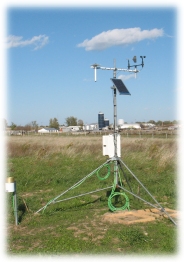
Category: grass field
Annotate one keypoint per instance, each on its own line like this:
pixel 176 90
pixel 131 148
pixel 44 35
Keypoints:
pixel 46 166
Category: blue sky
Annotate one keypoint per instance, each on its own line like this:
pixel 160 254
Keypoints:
pixel 50 51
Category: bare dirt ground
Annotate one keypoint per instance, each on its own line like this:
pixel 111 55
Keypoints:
pixel 138 216
pixel 95 229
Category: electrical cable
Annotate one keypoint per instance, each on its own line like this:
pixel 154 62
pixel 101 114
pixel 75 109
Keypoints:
pixel 114 194
pixel 107 175
pixel 112 207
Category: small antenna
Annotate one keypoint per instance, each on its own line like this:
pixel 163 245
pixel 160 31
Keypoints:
pixel 128 64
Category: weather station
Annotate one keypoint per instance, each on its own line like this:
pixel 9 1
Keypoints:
pixel 114 165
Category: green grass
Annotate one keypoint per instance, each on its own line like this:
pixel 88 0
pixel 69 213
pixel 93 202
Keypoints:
pixel 45 167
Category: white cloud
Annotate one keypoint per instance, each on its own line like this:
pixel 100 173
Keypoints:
pixel 17 41
pixel 126 77
pixel 119 37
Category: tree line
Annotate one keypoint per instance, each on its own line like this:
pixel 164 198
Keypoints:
pixel 53 123
pixel 70 121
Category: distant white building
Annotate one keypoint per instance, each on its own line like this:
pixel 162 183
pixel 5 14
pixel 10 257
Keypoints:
pixel 74 128
pixel 120 122
pixel 130 126
pixel 90 127
pixel 47 130
pixel 175 127
pixel 150 125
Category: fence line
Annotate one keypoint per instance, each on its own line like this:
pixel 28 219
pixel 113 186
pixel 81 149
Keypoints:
pixel 125 133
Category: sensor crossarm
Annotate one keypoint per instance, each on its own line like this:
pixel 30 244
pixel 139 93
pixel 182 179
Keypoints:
pixel 135 70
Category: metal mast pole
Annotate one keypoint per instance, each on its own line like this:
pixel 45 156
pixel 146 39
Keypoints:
pixel 95 67
pixel 115 131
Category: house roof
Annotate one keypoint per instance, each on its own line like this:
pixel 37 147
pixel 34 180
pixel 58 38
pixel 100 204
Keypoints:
pixel 48 128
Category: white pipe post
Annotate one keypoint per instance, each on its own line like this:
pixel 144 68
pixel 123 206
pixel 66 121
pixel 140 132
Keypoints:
pixel 95 73
pixel 11 187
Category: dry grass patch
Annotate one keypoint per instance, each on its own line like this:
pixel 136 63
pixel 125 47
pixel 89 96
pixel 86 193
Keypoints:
pixel 45 145
pixel 164 151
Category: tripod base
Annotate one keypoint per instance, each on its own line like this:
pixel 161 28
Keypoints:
pixel 116 188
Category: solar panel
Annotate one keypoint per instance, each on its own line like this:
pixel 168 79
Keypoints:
pixel 120 86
